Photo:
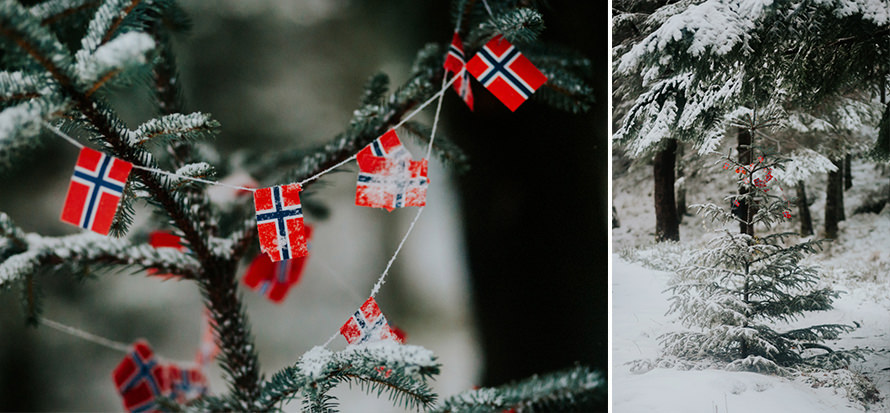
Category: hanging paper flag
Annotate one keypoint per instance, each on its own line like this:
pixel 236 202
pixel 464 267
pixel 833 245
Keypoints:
pixel 208 349
pixel 367 325
pixel 275 279
pixel 454 63
pixel 279 221
pixel 185 384
pixel 388 178
pixel 95 190
pixel 140 379
pixel 505 72
pixel 164 239
pixel 398 334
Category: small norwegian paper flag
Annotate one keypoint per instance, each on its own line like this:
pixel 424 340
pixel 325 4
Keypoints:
pixel 140 379
pixel 275 279
pixel 164 239
pixel 454 63
pixel 95 190
pixel 509 75
pixel 279 221
pixel 208 349
pixel 388 178
pixel 185 384
pixel 367 325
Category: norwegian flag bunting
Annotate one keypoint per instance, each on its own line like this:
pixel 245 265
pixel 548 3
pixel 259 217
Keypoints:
pixel 454 63
pixel 505 72
pixel 275 279
pixel 279 218
pixel 95 190
pixel 208 349
pixel 185 384
pixel 164 239
pixel 367 325
pixel 388 178
pixel 140 379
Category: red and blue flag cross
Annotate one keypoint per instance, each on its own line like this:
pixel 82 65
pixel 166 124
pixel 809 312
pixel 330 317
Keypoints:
pixel 504 71
pixel 95 190
pixel 140 379
pixel 279 218
pixel 454 63
pixel 186 384
pixel 367 324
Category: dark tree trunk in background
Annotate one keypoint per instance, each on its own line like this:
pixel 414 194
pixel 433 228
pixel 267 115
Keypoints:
pixel 667 224
pixel 848 173
pixel 681 189
pixel 832 200
pixel 746 157
pixel 535 214
pixel 806 220
pixel 841 165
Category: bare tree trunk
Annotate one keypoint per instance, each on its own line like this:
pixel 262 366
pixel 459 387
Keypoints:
pixel 681 188
pixel 841 169
pixel 848 173
pixel 745 210
pixel 806 220
pixel 667 226
pixel 832 201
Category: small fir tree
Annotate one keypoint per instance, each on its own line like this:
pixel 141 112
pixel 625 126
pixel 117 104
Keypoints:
pixel 736 291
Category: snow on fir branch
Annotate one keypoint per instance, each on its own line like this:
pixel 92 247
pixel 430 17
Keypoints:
pixel 575 389
pixel 175 126
pixel 26 253
pixel 125 52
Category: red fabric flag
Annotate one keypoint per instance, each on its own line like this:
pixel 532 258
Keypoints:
pixel 95 190
pixel 275 279
pixel 140 379
pixel 279 217
pixel 388 178
pixel 505 72
pixel 185 384
pixel 454 63
pixel 165 239
pixel 367 325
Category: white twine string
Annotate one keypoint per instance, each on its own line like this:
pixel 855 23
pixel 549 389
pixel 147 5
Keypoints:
pixel 62 134
pixel 102 341
pixel 438 94
pixel 488 9
pixel 191 178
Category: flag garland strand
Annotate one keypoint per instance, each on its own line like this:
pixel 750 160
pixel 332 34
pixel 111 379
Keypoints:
pixel 388 178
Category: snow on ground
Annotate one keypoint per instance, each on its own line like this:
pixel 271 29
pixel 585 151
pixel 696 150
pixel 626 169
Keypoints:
pixel 638 318
pixel 857 263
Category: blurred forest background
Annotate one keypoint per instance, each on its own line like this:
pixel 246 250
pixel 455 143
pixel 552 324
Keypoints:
pixel 504 276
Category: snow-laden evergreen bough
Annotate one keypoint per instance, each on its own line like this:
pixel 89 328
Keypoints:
pixel 49 80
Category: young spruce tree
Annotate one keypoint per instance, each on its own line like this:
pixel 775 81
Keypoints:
pixel 61 58
pixel 736 292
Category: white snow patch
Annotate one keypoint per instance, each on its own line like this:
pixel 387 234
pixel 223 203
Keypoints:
pixel 314 362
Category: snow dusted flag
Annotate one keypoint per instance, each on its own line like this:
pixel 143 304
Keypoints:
pixel 185 384
pixel 279 221
pixel 509 75
pixel 367 325
pixel 140 379
pixel 454 63
pixel 95 190
pixel 388 178
pixel 275 279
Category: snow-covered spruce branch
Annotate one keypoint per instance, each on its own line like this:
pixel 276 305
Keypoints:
pixel 576 389
pixel 88 249
pixel 401 371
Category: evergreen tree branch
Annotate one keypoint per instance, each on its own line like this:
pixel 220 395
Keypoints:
pixel 577 389
pixel 50 12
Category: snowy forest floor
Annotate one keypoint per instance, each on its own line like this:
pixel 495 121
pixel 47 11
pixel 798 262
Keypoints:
pixel 857 263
